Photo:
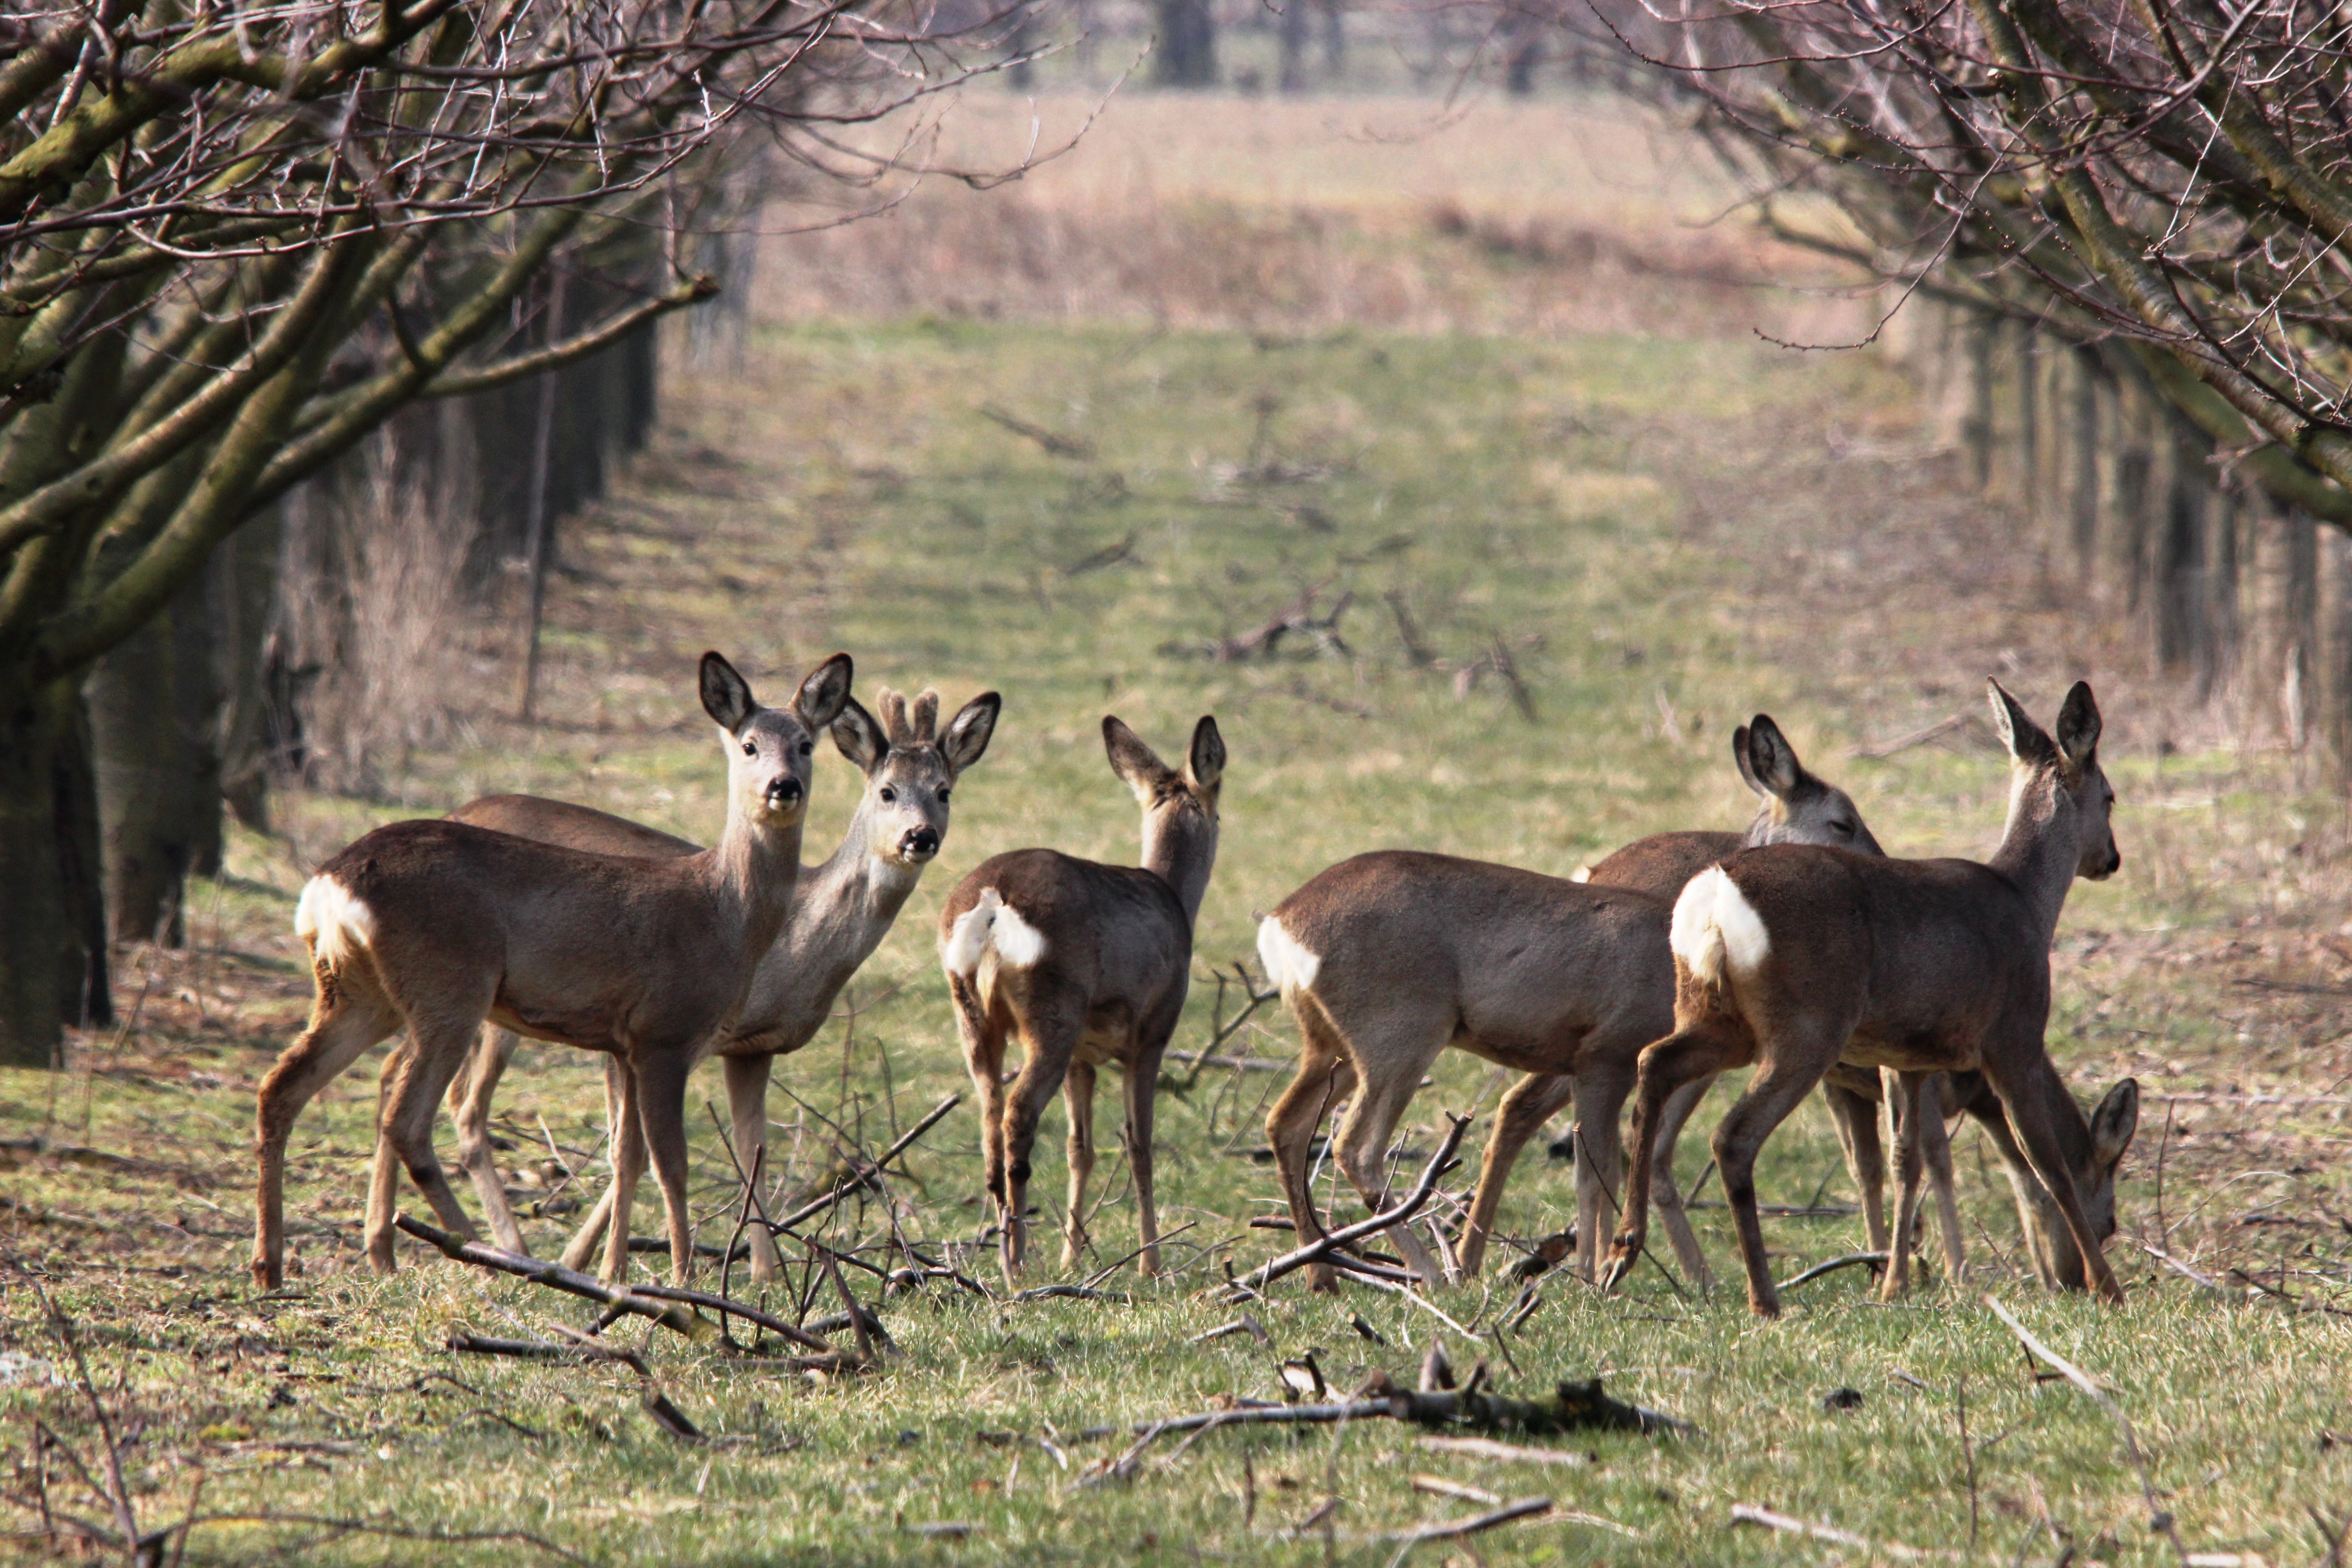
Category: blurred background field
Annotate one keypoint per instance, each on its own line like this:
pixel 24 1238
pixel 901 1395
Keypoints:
pixel 1484 385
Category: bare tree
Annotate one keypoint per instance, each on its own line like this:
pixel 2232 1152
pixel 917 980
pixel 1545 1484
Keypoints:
pixel 2174 176
pixel 240 238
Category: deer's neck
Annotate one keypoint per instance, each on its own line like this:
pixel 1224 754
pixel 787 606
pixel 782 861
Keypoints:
pixel 2039 851
pixel 758 867
pixel 854 892
pixel 1181 854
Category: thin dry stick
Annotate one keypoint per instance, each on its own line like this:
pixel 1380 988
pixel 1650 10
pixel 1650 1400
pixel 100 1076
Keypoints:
pixel 1831 1266
pixel 1317 1251
pixel 555 1276
pixel 850 1183
pixel 1452 1528
pixel 1968 1455
pixel 1749 1513
pixel 2158 1519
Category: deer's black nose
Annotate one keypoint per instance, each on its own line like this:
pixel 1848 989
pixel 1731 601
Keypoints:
pixel 784 791
pixel 923 841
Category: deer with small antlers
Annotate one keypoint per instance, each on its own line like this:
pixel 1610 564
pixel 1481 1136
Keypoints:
pixel 1089 964
pixel 438 926
pixel 840 912
pixel 1387 959
pixel 1796 959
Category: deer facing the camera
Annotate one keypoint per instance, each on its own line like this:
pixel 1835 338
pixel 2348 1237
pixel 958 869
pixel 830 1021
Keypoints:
pixel 1089 964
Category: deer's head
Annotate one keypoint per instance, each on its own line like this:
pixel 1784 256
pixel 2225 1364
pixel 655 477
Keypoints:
pixel 1180 806
pixel 2056 1259
pixel 2060 780
pixel 1798 808
pixel 770 750
pixel 910 768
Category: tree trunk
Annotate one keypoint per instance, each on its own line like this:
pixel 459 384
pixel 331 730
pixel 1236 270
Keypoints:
pixel 1187 56
pixel 142 787
pixel 84 996
pixel 33 911
pixel 1297 19
pixel 196 708
pixel 1335 39
pixel 244 580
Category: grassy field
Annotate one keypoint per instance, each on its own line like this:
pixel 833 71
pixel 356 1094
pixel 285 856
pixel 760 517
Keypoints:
pixel 1665 534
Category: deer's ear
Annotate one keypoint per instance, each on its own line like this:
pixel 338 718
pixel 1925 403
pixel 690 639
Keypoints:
pixel 861 739
pixel 726 695
pixel 1134 762
pixel 1772 766
pixel 1206 761
pixel 820 698
pixel 2078 725
pixel 969 732
pixel 1740 759
pixel 2114 1122
pixel 2018 733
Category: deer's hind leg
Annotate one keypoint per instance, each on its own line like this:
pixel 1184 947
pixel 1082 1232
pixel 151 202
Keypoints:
pixel 439 1038
pixel 1936 1145
pixel 1857 1120
pixel 1792 1060
pixel 347 1018
pixel 620 1128
pixel 1909 1105
pixel 1703 1048
pixel 1390 1053
pixel 1079 1096
pixel 982 1035
pixel 1049 1036
pixel 471 1095
pixel 1325 1078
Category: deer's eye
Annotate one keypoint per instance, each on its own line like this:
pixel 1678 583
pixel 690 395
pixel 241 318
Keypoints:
pixel 750 747
pixel 1842 829
pixel 807 747
pixel 943 797
pixel 889 796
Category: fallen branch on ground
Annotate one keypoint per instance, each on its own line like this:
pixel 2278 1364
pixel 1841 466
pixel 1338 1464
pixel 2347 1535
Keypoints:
pixel 1749 1513
pixel 572 1282
pixel 1573 1407
pixel 860 1178
pixel 1321 1250
pixel 541 1350
pixel 1831 1266
pixel 1054 443
pixel 1451 1528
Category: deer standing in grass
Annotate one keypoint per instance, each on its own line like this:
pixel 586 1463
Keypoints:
pixel 1089 964
pixel 840 912
pixel 438 925
pixel 1796 958
pixel 1389 958
pixel 1798 808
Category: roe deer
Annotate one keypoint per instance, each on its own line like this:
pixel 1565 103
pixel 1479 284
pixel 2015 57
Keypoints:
pixel 1387 959
pixel 1088 963
pixel 1798 808
pixel 440 925
pixel 1798 958
pixel 840 912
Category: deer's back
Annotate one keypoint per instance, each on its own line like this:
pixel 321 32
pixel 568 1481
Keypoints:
pixel 590 949
pixel 1526 961
pixel 573 827
pixel 1114 933
pixel 1663 863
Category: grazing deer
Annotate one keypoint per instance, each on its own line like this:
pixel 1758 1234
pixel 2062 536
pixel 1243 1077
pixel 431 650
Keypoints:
pixel 1088 963
pixel 840 912
pixel 1796 958
pixel 440 925
pixel 1387 959
pixel 1798 808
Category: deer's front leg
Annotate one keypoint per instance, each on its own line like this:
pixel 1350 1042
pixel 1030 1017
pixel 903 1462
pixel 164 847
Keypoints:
pixel 661 1111
pixel 1905 1108
pixel 1857 1120
pixel 1665 1194
pixel 1532 1101
pixel 747 1109
pixel 471 1095
pixel 628 1163
pixel 1078 1096
pixel 1142 1088
pixel 1936 1145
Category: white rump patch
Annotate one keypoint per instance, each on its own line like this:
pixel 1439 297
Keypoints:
pixel 959 955
pixel 1287 963
pixel 1018 942
pixel 1716 932
pixel 333 920
pixel 1581 874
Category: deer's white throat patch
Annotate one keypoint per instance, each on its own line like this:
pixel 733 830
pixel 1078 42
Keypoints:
pixel 333 920
pixel 1716 932
pixel 1287 962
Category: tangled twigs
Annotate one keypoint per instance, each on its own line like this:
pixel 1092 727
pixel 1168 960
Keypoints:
pixel 1573 1407
pixel 857 1178
pixel 636 1302
pixel 1326 1249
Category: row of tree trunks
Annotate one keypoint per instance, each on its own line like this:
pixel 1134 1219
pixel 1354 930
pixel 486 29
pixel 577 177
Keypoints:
pixel 2244 604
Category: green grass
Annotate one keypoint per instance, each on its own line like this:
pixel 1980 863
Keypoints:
pixel 1622 514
